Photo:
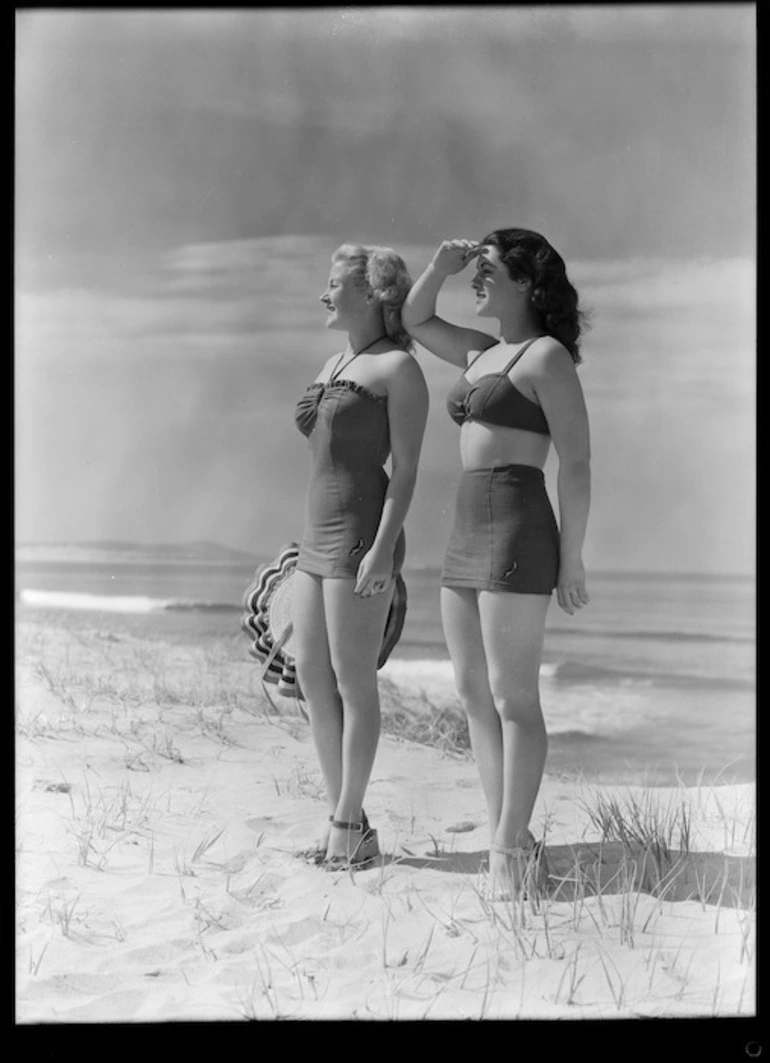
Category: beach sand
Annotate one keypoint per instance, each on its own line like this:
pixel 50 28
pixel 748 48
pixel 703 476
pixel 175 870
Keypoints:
pixel 160 803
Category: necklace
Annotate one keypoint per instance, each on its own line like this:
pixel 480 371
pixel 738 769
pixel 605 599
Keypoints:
pixel 339 367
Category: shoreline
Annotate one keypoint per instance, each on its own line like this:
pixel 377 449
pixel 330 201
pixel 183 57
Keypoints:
pixel 602 725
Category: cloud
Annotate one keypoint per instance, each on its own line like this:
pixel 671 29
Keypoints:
pixel 689 22
pixel 178 419
pixel 162 332
pixel 234 258
pixel 222 297
pixel 410 22
pixel 149 128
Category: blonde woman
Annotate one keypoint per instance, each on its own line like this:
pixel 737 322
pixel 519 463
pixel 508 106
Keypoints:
pixel 517 394
pixel 367 403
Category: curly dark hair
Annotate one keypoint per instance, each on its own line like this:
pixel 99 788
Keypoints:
pixel 528 255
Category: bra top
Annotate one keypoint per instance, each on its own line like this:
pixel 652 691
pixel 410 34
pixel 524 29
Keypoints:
pixel 493 399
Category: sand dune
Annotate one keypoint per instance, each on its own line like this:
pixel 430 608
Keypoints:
pixel 160 806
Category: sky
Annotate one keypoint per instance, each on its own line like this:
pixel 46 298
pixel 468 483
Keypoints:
pixel 183 176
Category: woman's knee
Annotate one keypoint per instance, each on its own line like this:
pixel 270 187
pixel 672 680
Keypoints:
pixel 518 705
pixel 356 678
pixel 473 692
pixel 358 694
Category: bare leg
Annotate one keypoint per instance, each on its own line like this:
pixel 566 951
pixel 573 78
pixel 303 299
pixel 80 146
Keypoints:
pixel 355 626
pixel 462 630
pixel 513 627
pixel 318 682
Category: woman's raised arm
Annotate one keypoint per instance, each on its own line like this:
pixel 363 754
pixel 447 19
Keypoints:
pixel 447 341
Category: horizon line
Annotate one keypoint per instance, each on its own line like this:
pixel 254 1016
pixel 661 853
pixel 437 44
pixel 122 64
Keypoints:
pixel 416 567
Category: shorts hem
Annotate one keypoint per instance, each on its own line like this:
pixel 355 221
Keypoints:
pixel 491 585
pixel 325 573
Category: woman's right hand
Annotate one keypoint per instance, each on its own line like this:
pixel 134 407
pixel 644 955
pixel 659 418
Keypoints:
pixel 454 255
pixel 571 590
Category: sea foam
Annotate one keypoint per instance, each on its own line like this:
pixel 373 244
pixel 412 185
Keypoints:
pixel 101 602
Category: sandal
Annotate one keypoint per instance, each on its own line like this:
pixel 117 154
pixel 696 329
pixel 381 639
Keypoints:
pixel 364 851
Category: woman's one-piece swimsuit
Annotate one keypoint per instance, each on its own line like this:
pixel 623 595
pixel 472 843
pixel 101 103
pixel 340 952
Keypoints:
pixel 505 536
pixel 349 438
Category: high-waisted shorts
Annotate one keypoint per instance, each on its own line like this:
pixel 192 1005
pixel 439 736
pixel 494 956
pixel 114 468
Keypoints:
pixel 505 536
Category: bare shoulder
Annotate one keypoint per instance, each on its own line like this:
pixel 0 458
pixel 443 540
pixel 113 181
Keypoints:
pixel 405 383
pixel 398 362
pixel 547 356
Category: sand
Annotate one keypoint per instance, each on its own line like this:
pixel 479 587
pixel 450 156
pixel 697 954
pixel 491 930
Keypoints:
pixel 160 805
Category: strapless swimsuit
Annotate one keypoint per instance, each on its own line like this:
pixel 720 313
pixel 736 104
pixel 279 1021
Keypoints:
pixel 349 438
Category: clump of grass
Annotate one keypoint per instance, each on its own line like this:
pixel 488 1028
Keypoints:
pixel 61 912
pixel 574 982
pixel 639 821
pixel 164 747
pixel 735 831
pixel 215 727
pixel 36 725
pixel 650 834
pixel 78 689
pixel 617 989
pixel 264 1000
pixel 184 866
pixel 609 888
pixel 134 760
pixel 302 783
pixel 418 719
pixel 206 919
pixel 34 962
pixel 205 844
pixel 105 821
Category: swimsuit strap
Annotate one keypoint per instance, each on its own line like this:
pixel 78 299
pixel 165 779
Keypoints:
pixel 518 355
pixel 339 367
pixel 476 358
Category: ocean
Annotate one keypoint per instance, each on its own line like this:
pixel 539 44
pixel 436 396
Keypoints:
pixel 653 682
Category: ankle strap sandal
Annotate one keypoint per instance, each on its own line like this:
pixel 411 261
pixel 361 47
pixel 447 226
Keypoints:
pixel 365 848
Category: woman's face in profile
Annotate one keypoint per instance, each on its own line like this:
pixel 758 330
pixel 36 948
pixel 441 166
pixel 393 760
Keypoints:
pixel 344 299
pixel 492 284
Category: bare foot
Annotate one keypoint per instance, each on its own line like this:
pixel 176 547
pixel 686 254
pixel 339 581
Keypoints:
pixel 316 854
pixel 516 869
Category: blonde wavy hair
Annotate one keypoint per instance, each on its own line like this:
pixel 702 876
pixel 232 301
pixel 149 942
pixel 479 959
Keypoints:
pixel 385 275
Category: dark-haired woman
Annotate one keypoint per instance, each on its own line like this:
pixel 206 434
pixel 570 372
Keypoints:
pixel 518 393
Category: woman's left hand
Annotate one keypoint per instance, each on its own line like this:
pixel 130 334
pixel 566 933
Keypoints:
pixel 571 589
pixel 374 573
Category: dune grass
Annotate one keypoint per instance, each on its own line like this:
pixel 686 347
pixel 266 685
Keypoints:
pixel 601 935
pixel 160 677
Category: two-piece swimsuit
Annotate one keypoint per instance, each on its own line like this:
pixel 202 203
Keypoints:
pixel 505 536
